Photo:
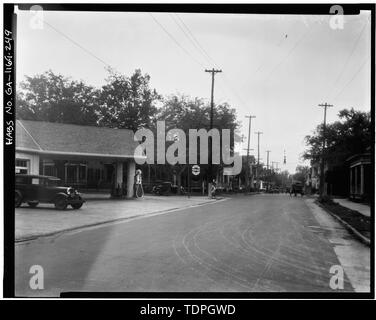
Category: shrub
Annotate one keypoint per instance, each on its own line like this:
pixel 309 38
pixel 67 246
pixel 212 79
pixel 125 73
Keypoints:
pixel 326 200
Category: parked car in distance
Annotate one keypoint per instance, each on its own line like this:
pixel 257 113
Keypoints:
pixel 273 190
pixel 35 189
pixel 297 187
pixel 166 188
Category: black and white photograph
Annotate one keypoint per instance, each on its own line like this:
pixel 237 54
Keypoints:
pixel 190 150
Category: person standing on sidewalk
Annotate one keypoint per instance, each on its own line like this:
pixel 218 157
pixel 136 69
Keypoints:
pixel 213 189
pixel 138 190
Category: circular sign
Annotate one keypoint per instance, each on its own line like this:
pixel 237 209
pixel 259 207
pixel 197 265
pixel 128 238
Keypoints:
pixel 196 170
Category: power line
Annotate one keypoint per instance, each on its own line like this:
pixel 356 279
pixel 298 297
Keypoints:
pixel 198 46
pixel 200 49
pixel 176 42
pixel 183 27
pixel 288 54
pixel 78 45
pixel 280 42
pixel 195 40
pixel 190 36
pixel 348 58
pixel 205 54
pixel 107 64
pixel 353 77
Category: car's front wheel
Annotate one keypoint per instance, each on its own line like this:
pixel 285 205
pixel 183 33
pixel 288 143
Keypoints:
pixel 61 203
pixel 33 204
pixel 76 205
pixel 17 198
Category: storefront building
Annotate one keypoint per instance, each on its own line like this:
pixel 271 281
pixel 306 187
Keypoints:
pixel 85 157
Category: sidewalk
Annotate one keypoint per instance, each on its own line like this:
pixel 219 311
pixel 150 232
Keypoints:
pixel 45 220
pixel 361 208
pixel 359 224
pixel 96 195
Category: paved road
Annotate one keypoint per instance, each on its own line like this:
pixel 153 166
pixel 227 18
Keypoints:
pixel 254 243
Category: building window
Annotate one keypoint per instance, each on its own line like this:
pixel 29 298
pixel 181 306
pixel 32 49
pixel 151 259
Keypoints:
pixel 49 171
pixel 82 172
pixel 22 166
pixel 71 175
pixel 75 173
pixel 49 168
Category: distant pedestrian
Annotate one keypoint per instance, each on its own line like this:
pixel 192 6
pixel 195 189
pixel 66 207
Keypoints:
pixel 139 191
pixel 213 189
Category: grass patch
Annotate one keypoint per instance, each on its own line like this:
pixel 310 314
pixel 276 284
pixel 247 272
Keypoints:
pixel 355 219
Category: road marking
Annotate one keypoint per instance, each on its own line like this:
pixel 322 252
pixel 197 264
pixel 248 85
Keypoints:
pixel 210 266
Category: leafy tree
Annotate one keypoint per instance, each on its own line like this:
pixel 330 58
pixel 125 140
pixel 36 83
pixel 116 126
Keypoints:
pixel 348 136
pixel 301 173
pixel 186 113
pixel 127 102
pixel 55 98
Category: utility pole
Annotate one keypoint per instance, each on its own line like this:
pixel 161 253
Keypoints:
pixel 322 164
pixel 267 169
pixel 250 117
pixel 210 167
pixel 248 170
pixel 258 156
pixel 267 159
pixel 275 165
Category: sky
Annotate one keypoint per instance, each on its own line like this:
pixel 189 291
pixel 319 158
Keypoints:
pixel 275 67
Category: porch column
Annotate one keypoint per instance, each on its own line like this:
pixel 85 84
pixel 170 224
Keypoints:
pixel 77 167
pixel 117 180
pixel 131 170
pixel 361 179
pixel 119 175
pixel 356 180
pixel 351 181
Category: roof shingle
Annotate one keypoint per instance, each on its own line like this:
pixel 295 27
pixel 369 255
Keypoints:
pixel 70 138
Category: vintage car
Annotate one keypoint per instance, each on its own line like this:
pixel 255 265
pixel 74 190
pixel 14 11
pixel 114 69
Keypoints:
pixel 297 187
pixel 34 189
pixel 165 188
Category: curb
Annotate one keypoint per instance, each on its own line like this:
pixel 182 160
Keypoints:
pixel 30 238
pixel 351 229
